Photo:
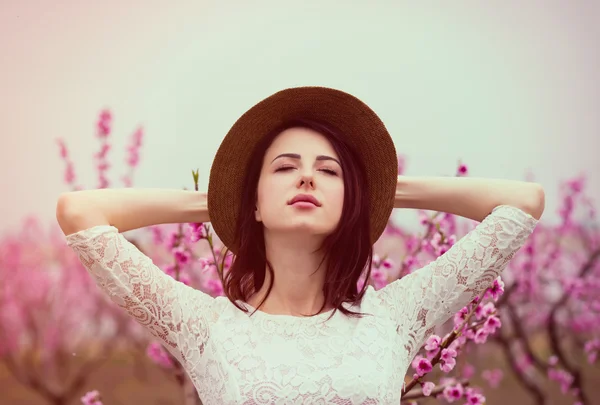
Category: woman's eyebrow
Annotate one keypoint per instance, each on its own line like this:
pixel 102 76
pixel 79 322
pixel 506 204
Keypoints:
pixel 297 156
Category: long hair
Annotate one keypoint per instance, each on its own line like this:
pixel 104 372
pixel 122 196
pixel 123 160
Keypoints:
pixel 348 250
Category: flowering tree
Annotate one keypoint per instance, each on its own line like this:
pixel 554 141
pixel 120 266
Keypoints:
pixel 56 327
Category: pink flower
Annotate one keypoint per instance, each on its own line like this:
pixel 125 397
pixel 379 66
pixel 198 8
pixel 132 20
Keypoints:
pixel 213 287
pixel 562 377
pixel 410 263
pixel 427 388
pixel 481 336
pixel 493 377
pixel 181 256
pixel 379 277
pixel 497 289
pixel 474 398
pixel 103 125
pixel 91 398
pixel 488 309
pixel 423 366
pixel 448 354
pixel 197 232
pixel 448 366
pixel 468 371
pixel 159 355
pixel 433 342
pixel 448 360
pixel 453 392
pixel 491 324
pixel 171 270
pixel 462 170
pixel 460 316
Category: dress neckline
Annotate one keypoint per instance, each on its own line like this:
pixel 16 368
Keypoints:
pixel 285 317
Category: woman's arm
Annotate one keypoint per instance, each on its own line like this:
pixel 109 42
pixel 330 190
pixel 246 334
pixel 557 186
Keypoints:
pixel 127 209
pixel 508 212
pixel 471 198
pixel 176 314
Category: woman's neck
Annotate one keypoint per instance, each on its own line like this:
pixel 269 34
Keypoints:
pixel 299 278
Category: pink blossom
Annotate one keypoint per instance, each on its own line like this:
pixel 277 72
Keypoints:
pixel 387 263
pixel 448 354
pixel 91 398
pixel 462 170
pixel 422 366
pixel 171 270
pixel 460 316
pixel 523 363
pixel 488 309
pixel 453 392
pixel 448 366
pixel 185 278
pixel 491 324
pixel 474 398
pixel 448 360
pixel 468 371
pixel 410 263
pixel 181 256
pixel 379 277
pixel 197 232
pixel 433 342
pixel 159 355
pixel 481 336
pixel 562 377
pixel 104 123
pixel 493 377
pixel 427 388
pixel 497 289
pixel 213 287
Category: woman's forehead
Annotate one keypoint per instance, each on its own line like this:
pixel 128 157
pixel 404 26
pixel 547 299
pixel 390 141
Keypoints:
pixel 299 140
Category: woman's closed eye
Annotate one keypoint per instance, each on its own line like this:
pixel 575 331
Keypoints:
pixel 324 170
pixel 329 171
pixel 284 169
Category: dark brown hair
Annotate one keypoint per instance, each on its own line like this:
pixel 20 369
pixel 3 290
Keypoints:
pixel 348 250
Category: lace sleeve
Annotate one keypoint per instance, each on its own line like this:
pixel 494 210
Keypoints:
pixel 171 311
pixel 431 295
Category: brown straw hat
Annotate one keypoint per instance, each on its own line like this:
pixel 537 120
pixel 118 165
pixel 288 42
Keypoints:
pixel 361 127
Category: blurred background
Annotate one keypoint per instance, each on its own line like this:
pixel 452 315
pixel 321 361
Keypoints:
pixel 113 94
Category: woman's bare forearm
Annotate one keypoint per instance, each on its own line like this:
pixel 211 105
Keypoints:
pixel 468 197
pixel 129 208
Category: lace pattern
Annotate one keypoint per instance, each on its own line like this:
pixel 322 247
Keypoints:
pixel 440 289
pixel 234 358
pixel 173 312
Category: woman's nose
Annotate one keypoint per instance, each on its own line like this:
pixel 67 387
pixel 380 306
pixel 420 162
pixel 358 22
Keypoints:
pixel 306 181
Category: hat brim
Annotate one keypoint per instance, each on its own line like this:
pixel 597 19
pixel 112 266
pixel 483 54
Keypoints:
pixel 362 129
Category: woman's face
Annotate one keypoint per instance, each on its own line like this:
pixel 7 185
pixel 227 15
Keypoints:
pixel 299 165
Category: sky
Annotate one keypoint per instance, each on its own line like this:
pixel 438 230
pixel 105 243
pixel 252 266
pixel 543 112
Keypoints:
pixel 507 87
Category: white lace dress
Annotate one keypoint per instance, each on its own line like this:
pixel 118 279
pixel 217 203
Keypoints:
pixel 234 358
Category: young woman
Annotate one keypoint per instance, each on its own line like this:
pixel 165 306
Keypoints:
pixel 300 189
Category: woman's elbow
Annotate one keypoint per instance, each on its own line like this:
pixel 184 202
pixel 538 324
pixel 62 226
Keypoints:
pixel 65 213
pixel 536 201
pixel 72 215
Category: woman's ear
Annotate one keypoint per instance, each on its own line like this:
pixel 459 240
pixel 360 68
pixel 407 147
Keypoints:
pixel 257 214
